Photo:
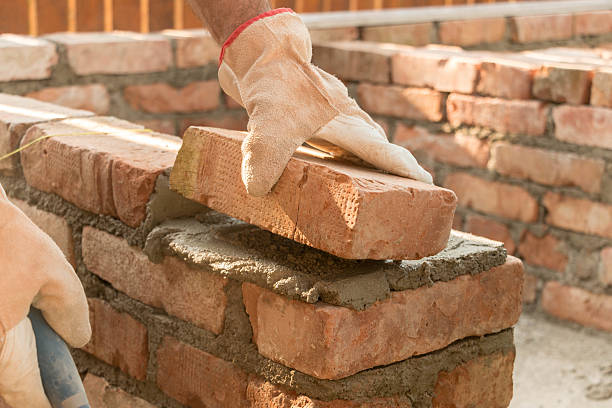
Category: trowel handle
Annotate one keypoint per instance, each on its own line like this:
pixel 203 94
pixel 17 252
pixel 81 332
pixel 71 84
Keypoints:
pixel 60 377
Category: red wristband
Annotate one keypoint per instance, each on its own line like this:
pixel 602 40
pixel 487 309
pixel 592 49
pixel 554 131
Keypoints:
pixel 245 25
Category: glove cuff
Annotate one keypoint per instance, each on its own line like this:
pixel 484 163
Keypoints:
pixel 245 25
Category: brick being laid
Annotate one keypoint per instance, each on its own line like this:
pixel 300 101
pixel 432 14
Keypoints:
pixel 348 211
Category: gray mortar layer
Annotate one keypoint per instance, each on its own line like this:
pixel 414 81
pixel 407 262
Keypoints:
pixel 243 252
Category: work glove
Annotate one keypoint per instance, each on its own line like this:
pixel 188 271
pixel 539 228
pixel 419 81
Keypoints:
pixel 265 65
pixel 33 271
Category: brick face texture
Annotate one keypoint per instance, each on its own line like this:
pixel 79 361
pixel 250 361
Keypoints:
pixel 199 379
pixel 118 339
pixel 25 58
pixel 409 34
pixel 541 28
pixel 192 295
pixel 162 98
pixel 472 32
pixel 584 125
pixel 334 342
pixel 409 103
pixel 578 214
pixel 94 98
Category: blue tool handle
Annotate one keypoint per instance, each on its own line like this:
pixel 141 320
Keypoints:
pixel 60 377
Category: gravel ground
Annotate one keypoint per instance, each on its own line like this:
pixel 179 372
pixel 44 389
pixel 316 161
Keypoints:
pixel 559 366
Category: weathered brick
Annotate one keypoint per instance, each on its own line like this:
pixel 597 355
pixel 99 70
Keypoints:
pixel 578 214
pixel 25 58
pixel 526 117
pixel 163 98
pixel 354 60
pixel 563 83
pixel 92 98
pixel 417 216
pixel 410 103
pixel 194 48
pixel 606 266
pixel 408 34
pixel 102 395
pixel 17 114
pixel 547 167
pixel 546 251
pixel 118 339
pixel 192 295
pixel 198 379
pixel 578 305
pixel 53 225
pixel 584 125
pixel 108 167
pixel 472 32
pixel 528 29
pixel 483 382
pixel 442 70
pixel 115 53
pixel 486 227
pixel 320 35
pixel 506 78
pixel 334 342
pixel 530 288
pixel 593 23
pixel 493 197
pixel 601 89
pixel 262 394
pixel 459 149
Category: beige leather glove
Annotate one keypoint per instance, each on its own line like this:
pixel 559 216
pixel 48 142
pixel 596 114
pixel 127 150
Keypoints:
pixel 33 271
pixel 266 67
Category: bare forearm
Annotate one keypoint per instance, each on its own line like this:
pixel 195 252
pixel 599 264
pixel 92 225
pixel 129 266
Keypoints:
pixel 222 18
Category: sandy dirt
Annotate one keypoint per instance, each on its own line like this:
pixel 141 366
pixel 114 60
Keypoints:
pixel 560 366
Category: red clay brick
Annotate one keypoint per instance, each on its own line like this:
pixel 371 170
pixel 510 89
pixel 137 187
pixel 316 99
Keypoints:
pixel 194 48
pixel 53 225
pixel 320 35
pixel 25 58
pixel 159 125
pixel 530 288
pixel 192 295
pixel 118 339
pixel 594 23
pixel 17 114
pixel 102 395
pixel 601 90
pixel 472 32
pixel 354 60
pixel 506 78
pixel 584 125
pixel 163 98
pixel 486 227
pixel 334 342
pixel 458 149
pixel 547 167
pixel 115 53
pixel 563 83
pixel 483 382
pixel 236 120
pixel 262 394
pixel 526 117
pixel 109 174
pixel 442 70
pixel 529 29
pixel 409 103
pixel 546 251
pixel 606 266
pixel 408 34
pixel 493 197
pixel 198 379
pixel 578 214
pixel 578 305
pixel 93 98
pixel 417 216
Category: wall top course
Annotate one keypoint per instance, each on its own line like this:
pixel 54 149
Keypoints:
pixel 246 253
pixel 25 57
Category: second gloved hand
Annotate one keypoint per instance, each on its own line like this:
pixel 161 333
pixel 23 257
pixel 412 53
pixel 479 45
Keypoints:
pixel 266 67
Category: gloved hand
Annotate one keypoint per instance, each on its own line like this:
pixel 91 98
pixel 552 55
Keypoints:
pixel 33 271
pixel 266 67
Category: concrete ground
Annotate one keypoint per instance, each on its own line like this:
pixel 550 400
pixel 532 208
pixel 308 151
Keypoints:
pixel 561 366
